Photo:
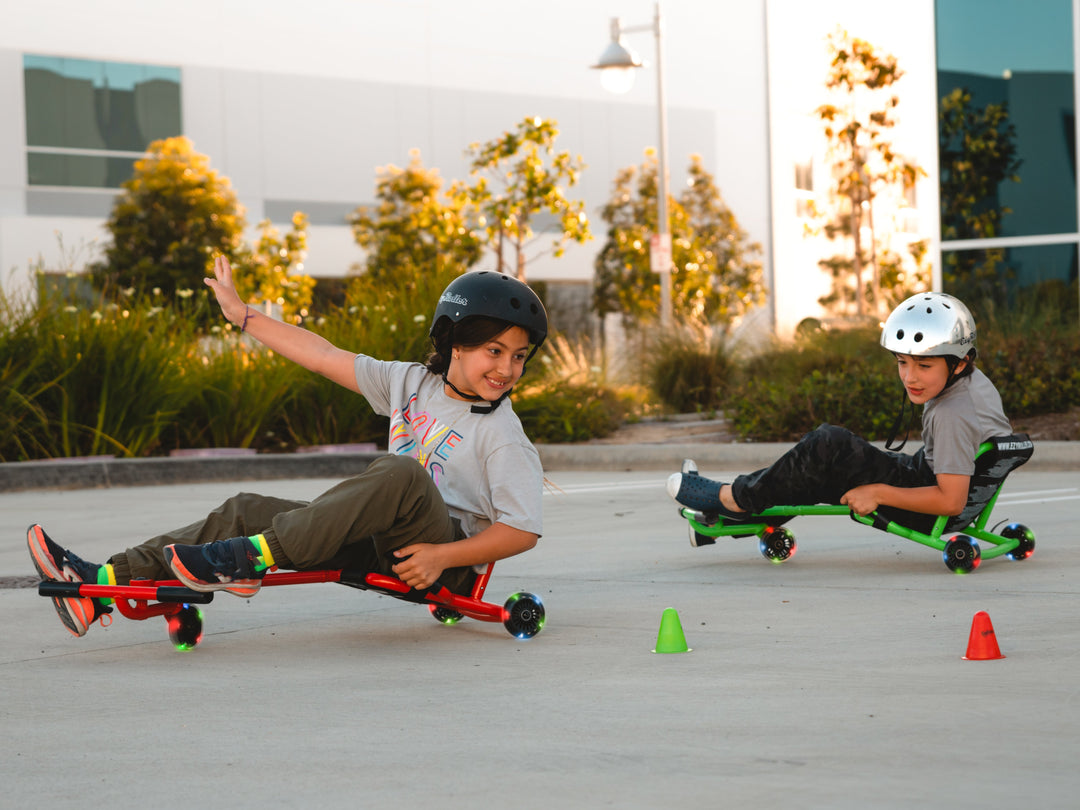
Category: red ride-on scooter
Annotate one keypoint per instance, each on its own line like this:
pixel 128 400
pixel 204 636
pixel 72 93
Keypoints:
pixel 522 614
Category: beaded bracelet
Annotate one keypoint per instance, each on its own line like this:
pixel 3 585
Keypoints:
pixel 247 314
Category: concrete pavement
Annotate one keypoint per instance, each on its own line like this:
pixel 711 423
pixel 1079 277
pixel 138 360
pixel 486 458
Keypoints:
pixel 835 680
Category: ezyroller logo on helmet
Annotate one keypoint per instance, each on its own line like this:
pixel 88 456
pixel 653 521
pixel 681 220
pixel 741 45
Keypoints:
pixel 454 298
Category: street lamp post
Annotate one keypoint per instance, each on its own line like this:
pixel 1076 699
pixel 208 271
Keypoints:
pixel 617 65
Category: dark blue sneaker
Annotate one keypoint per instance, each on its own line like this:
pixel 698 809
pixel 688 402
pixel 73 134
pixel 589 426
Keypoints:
pixel 60 565
pixel 226 565
pixel 700 494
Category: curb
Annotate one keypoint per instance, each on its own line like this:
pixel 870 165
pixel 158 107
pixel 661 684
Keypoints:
pixel 113 472
pixel 131 472
pixel 736 457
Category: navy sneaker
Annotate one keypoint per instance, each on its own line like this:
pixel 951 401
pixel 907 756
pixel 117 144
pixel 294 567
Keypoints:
pixel 700 494
pixel 226 565
pixel 60 565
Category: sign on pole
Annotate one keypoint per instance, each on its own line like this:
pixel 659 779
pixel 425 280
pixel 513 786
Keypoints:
pixel 660 252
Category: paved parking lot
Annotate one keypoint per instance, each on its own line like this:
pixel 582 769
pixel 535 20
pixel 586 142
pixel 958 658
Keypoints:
pixel 835 680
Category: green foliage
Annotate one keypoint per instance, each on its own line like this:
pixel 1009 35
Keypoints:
pixel 843 378
pixel 560 412
pixel 414 230
pixel 517 176
pixel 24 422
pixel 174 214
pixel 240 391
pixel 828 377
pixel 104 381
pixel 691 369
pixel 865 167
pixel 716 275
pixel 978 153
pixel 392 320
pixel 273 270
pixel 1029 350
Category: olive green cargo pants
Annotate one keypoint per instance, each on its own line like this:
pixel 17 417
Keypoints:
pixel 357 524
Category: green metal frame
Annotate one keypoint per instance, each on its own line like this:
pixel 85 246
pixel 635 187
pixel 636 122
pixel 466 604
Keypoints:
pixel 757 525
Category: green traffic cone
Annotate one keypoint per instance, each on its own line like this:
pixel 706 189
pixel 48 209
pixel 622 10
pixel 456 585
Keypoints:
pixel 671 638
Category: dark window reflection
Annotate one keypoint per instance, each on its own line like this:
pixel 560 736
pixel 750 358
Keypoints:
pixel 1008 275
pixel 1007 110
pixel 90 105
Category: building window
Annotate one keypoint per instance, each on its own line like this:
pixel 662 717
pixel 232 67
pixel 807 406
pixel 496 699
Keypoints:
pixel 804 188
pixel 1007 145
pixel 87 121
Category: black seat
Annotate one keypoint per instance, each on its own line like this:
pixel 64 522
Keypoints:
pixel 995 460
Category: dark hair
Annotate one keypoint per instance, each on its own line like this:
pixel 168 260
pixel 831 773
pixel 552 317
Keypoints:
pixel 952 362
pixel 476 330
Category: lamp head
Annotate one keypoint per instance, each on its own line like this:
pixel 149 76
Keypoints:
pixel 617 63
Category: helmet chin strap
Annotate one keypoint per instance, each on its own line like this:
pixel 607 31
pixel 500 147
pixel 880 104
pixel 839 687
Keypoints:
pixel 490 405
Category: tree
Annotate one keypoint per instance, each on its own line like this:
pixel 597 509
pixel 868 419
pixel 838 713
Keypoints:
pixel 268 269
pixel 977 151
pixel 174 213
pixel 864 166
pixel 414 229
pixel 516 177
pixel 716 276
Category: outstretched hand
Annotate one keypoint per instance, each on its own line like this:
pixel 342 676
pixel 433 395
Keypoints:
pixel 228 299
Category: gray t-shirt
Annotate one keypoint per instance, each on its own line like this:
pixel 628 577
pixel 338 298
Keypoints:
pixel 484 465
pixel 958 420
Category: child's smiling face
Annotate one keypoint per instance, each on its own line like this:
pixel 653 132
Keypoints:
pixel 923 377
pixel 490 370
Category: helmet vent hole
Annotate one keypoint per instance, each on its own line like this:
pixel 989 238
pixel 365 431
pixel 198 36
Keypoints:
pixel 899 334
pixel 515 303
pixel 918 337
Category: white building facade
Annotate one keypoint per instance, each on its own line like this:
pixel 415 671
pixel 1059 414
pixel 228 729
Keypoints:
pixel 299 105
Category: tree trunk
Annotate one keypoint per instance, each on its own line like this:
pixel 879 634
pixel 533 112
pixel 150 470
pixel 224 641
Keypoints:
pixel 856 264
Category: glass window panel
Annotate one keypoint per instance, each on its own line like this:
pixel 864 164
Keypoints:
pixel 1002 274
pixel 90 171
pixel 1015 57
pixel 107 106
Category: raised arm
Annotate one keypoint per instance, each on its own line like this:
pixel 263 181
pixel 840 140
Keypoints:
pixel 311 351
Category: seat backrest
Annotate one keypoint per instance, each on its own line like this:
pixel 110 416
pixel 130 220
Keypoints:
pixel 995 460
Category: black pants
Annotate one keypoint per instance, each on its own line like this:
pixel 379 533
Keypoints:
pixel 826 463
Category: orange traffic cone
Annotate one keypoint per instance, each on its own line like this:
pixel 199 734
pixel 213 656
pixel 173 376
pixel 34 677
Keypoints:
pixel 982 643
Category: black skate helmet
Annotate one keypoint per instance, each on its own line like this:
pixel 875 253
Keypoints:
pixel 493 295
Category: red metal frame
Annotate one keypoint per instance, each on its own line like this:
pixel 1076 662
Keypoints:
pixel 143 599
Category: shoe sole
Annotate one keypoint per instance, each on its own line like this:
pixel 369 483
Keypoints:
pixel 241 587
pixel 43 559
pixel 77 613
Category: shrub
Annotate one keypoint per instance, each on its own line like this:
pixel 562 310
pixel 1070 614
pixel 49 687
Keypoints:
pixel 556 413
pixel 174 212
pixel 827 377
pixel 106 381
pixel 690 369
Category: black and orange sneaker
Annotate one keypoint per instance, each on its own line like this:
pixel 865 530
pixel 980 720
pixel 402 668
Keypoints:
pixel 225 565
pixel 60 565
